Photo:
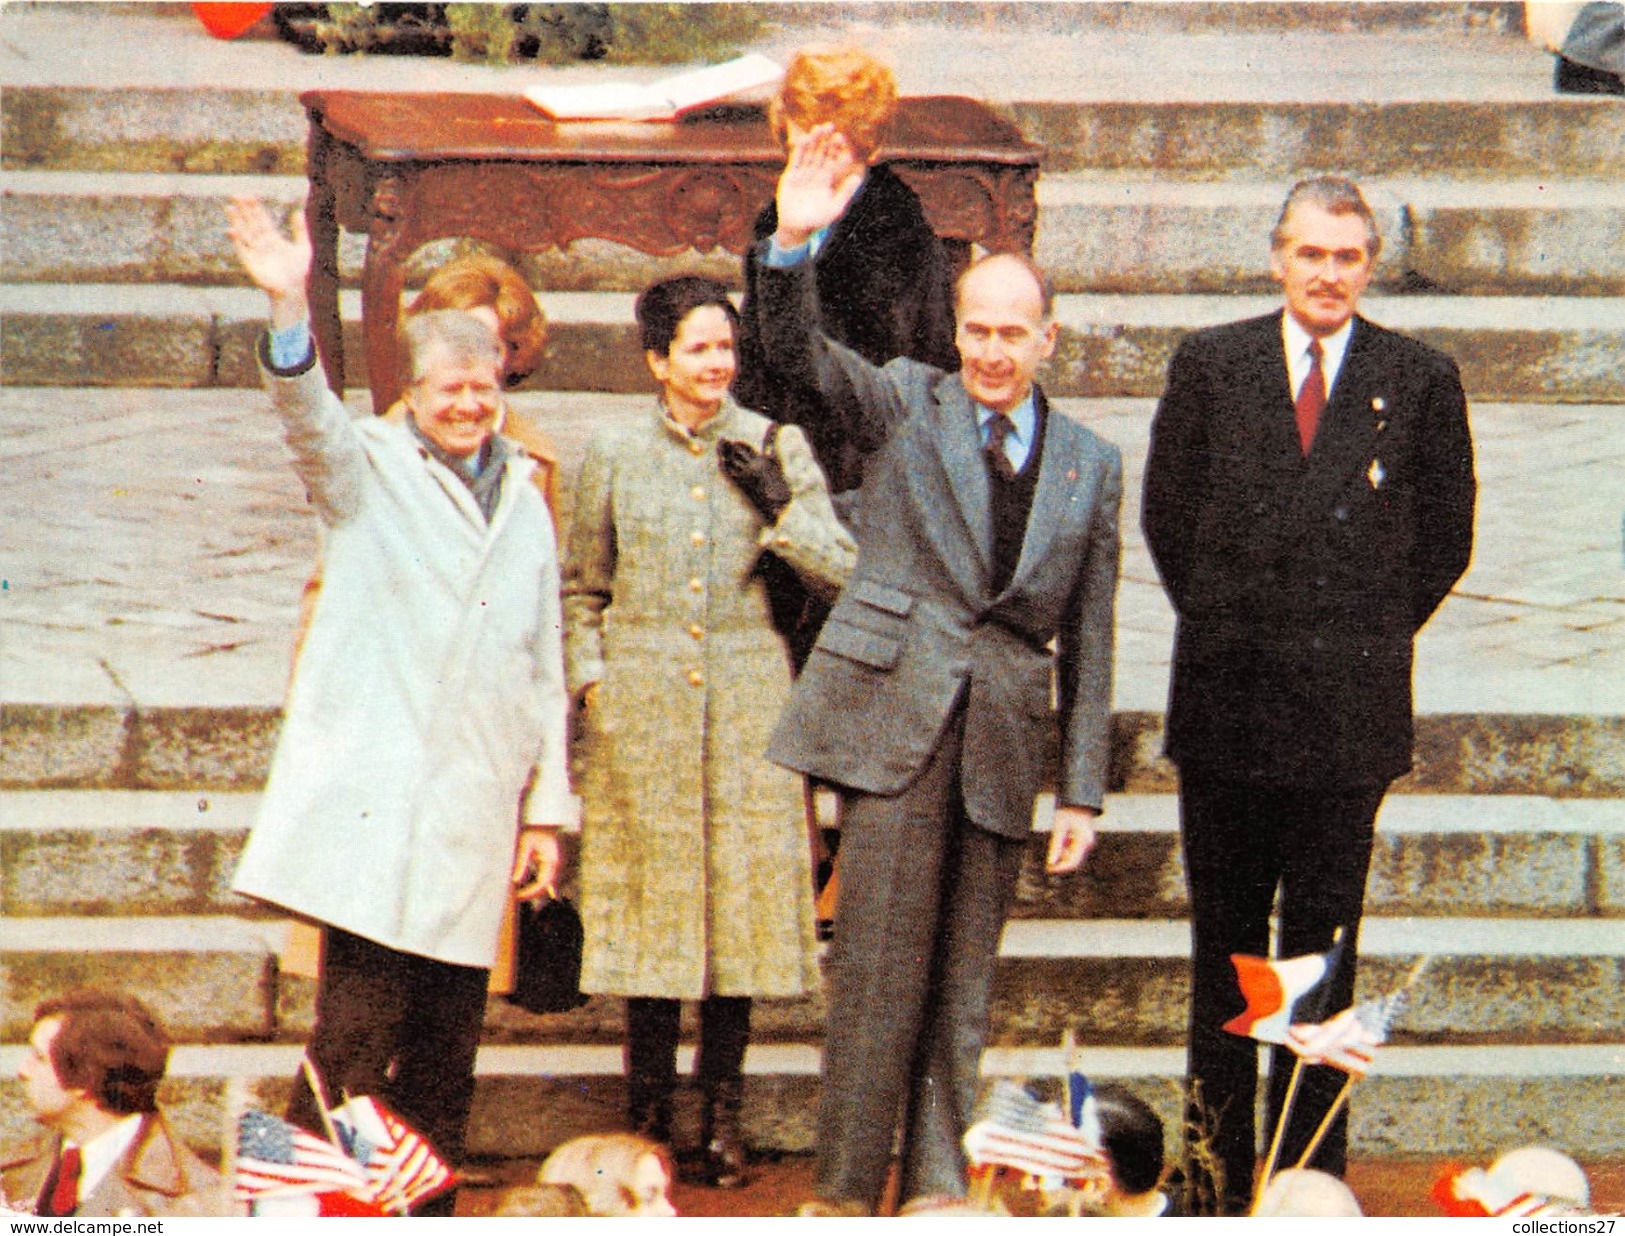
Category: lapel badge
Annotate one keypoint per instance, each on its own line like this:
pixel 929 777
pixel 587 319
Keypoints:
pixel 1379 404
pixel 1375 474
pixel 1071 474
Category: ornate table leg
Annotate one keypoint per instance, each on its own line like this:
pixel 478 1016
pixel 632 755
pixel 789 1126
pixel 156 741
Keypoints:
pixel 323 288
pixel 391 214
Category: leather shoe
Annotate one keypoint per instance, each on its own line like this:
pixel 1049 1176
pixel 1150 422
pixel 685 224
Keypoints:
pixel 821 1208
pixel 1572 77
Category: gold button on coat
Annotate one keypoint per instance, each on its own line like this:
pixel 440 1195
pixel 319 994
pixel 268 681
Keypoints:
pixel 697 631
pixel 698 537
pixel 697 493
pixel 695 678
pixel 695 585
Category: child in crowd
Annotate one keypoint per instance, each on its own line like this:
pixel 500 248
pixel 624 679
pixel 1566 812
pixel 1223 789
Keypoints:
pixel 618 1175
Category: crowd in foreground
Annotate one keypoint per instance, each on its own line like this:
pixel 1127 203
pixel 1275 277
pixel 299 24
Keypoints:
pixel 96 1060
pixel 892 575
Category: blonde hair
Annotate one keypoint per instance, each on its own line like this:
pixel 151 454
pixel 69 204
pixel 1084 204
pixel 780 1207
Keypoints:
pixel 601 1166
pixel 479 280
pixel 845 86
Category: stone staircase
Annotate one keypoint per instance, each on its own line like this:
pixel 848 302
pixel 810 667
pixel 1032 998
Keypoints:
pixel 137 715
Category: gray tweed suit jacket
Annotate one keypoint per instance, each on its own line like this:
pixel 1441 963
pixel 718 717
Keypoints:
pixel 918 629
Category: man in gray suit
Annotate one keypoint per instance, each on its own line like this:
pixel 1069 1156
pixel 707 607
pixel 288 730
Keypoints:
pixel 986 577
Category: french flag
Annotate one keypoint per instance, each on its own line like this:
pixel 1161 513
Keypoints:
pixel 1282 991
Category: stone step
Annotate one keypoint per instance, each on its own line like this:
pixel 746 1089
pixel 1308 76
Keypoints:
pixel 1534 349
pixel 119 744
pixel 1115 982
pixel 124 853
pixel 1350 89
pixel 1463 1102
pixel 1466 1102
pixel 224 130
pixel 1120 232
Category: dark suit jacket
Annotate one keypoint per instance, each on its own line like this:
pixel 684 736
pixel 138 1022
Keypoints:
pixel 883 291
pixel 1299 585
pixel 917 629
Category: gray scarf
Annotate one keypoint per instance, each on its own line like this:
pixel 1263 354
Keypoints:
pixel 482 471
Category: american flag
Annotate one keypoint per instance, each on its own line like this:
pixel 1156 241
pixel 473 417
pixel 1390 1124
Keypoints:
pixel 400 1164
pixel 1356 1034
pixel 1013 1129
pixel 277 1159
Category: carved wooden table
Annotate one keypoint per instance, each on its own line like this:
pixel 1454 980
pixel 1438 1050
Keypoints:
pixel 406 169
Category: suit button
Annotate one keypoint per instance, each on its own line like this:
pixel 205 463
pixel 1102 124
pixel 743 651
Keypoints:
pixel 1258 508
pixel 697 493
pixel 696 584
pixel 1320 581
pixel 1318 644
pixel 1341 514
pixel 695 678
pixel 698 538
pixel 697 631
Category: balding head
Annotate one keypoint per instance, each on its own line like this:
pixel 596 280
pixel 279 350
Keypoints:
pixel 1004 307
pixel 1303 1193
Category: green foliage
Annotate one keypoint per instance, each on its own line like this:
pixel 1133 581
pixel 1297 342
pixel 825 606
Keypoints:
pixel 674 33
pixel 517 33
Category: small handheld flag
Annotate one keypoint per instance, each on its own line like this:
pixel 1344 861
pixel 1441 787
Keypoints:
pixel 1282 991
pixel 1475 1193
pixel 276 1159
pixel 1015 1130
pixel 401 1167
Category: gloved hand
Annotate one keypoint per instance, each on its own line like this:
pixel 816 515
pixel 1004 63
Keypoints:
pixel 759 477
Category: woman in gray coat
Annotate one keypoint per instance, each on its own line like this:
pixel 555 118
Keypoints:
pixel 695 863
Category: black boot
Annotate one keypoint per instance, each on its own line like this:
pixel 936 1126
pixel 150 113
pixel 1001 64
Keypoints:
pixel 724 1034
pixel 651 1066
pixel 724 1162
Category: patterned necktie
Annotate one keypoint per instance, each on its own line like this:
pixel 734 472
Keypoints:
pixel 1311 398
pixel 62 1191
pixel 998 429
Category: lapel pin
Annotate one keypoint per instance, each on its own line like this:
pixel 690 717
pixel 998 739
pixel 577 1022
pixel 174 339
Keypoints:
pixel 1071 474
pixel 1375 474
pixel 1378 403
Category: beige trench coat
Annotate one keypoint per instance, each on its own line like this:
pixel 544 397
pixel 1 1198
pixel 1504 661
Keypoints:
pixel 695 866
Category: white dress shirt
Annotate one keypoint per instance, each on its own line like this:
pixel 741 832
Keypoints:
pixel 1332 350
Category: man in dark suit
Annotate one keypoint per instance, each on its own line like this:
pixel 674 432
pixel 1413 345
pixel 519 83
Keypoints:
pixel 987 531
pixel 1309 503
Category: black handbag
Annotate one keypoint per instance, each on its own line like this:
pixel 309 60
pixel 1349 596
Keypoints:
pixel 547 957
pixel 797 613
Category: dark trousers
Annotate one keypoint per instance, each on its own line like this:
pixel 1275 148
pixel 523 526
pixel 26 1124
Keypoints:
pixel 922 902
pixel 1242 843
pixel 652 1025
pixel 402 1028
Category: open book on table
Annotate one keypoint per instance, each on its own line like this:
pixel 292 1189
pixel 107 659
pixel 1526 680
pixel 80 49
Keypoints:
pixel 667 99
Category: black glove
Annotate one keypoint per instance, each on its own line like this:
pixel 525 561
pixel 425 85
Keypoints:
pixel 759 477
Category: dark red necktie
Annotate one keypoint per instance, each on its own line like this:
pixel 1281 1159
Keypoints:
pixel 62 1195
pixel 1311 398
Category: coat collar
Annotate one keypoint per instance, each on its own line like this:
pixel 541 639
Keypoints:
pixel 151 1163
pixel 727 423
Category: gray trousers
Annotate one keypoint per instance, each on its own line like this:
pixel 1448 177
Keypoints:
pixel 922 901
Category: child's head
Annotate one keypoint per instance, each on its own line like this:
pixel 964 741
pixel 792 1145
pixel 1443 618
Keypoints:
pixel 1131 1136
